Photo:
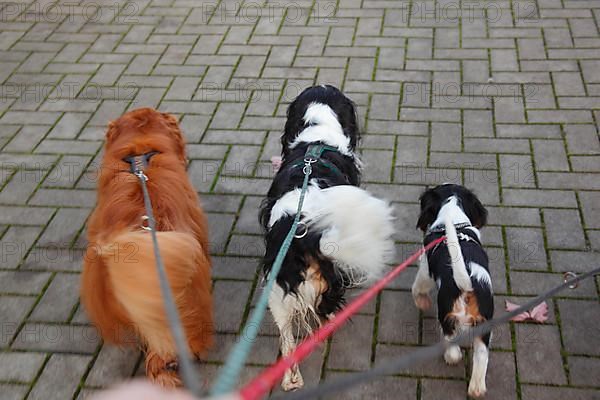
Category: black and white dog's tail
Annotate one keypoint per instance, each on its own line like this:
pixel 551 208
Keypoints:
pixel 459 269
pixel 356 228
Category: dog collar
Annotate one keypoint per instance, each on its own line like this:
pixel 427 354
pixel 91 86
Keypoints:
pixel 139 162
pixel 442 229
pixel 462 230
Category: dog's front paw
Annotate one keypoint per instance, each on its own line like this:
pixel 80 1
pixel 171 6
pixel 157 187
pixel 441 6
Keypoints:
pixel 292 380
pixel 477 388
pixel 422 301
pixel 453 355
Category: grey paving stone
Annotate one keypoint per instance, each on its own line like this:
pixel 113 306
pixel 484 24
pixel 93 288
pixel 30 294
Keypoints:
pixel 220 226
pixel 16 243
pixel 577 261
pixel 526 249
pixel 563 229
pixel 436 368
pixel 228 318
pixel 13 392
pixel 379 165
pixel 590 206
pixel 57 338
pixel 234 267
pixel 385 388
pixel 517 170
pixel 582 139
pixel 23 282
pixel 112 365
pixel 18 190
pixel 405 215
pixel 59 299
pixel 579 331
pixel 63 228
pixel 61 377
pixel 557 393
pixel 21 367
pixel 433 389
pixel 501 376
pixel 63 197
pixel 248 217
pixel 533 283
pixel 538 354
pixel 581 370
pixel 550 155
pixel 403 325
pixel 351 346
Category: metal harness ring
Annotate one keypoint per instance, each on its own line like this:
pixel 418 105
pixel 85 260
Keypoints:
pixel 304 232
pixel 145 220
pixel 568 276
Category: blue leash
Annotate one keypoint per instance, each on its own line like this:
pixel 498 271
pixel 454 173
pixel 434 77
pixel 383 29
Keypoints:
pixel 237 358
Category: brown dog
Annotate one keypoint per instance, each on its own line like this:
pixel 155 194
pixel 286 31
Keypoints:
pixel 120 288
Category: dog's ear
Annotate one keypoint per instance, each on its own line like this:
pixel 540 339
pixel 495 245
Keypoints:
pixel 173 125
pixel 475 210
pixel 112 132
pixel 430 206
pixel 293 124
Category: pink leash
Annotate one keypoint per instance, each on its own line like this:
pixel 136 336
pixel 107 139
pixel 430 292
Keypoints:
pixel 260 385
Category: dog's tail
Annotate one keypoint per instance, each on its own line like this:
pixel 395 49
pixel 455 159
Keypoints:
pixel 459 269
pixel 131 266
pixel 357 232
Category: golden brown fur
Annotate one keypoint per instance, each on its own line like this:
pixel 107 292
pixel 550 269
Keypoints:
pixel 120 288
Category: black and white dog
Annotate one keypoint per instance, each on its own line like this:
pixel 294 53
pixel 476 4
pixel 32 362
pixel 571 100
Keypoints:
pixel 460 270
pixel 344 238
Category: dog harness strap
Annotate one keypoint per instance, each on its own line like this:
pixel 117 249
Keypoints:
pixel 139 162
pixel 314 153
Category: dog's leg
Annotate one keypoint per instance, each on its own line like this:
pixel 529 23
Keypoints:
pixel 477 386
pixel 162 371
pixel 282 309
pixel 422 285
pixel 453 353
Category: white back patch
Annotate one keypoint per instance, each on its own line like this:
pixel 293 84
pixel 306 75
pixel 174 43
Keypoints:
pixel 480 274
pixel 325 128
pixel 452 211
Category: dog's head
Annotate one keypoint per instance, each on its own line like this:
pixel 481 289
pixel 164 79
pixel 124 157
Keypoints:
pixel 323 105
pixel 432 201
pixel 142 131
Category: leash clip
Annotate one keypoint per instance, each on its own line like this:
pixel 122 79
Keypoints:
pixel 567 276
pixel 141 175
pixel 308 165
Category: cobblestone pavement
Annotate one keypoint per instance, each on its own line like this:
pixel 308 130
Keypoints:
pixel 503 96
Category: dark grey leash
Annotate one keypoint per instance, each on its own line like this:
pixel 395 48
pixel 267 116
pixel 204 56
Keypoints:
pixel 426 353
pixel 190 379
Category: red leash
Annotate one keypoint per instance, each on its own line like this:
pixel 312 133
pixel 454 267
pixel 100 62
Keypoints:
pixel 260 385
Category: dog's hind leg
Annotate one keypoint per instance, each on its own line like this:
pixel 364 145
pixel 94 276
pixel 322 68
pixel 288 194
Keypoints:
pixel 163 371
pixel 422 285
pixel 282 308
pixel 477 387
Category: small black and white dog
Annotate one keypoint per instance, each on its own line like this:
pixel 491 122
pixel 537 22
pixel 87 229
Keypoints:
pixel 344 236
pixel 460 270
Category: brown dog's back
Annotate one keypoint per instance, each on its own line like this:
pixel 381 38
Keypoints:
pixel 131 267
